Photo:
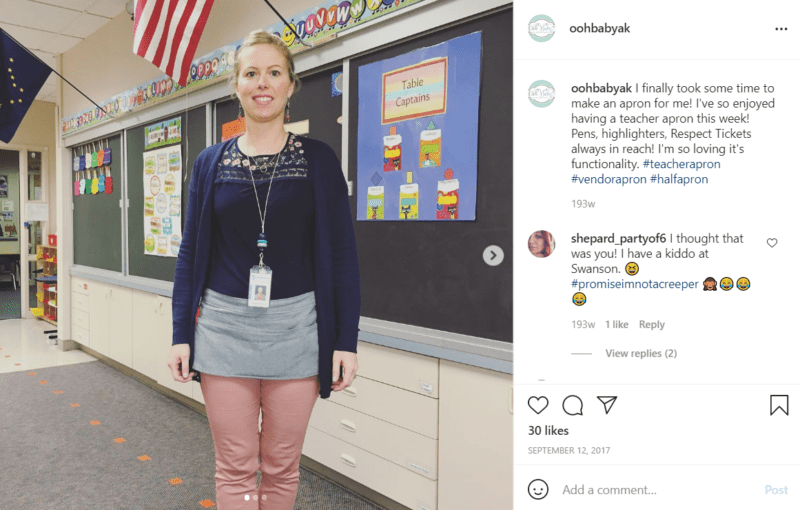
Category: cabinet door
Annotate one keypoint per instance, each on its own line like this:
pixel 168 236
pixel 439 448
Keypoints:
pixel 162 343
pixel 99 317
pixel 143 311
pixel 475 424
pixel 120 334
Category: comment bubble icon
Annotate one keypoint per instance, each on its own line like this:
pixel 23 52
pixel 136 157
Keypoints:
pixel 573 405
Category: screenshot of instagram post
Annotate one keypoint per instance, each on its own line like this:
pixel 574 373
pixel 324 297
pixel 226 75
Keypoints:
pixel 655 238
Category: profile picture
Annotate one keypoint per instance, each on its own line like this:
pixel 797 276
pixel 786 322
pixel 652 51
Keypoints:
pixel 541 244
pixel 260 289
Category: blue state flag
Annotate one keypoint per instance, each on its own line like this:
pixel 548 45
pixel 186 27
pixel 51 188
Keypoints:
pixel 22 75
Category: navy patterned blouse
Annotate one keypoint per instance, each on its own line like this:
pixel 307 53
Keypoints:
pixel 289 225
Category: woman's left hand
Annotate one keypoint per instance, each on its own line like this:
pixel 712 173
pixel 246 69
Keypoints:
pixel 349 364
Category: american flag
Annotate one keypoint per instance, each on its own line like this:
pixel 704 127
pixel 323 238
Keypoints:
pixel 166 33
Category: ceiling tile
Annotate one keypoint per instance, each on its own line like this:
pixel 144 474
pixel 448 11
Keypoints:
pixel 28 37
pixel 76 5
pixel 107 8
pixel 35 15
pixel 84 25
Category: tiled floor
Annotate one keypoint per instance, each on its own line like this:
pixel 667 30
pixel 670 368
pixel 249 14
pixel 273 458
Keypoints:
pixel 23 346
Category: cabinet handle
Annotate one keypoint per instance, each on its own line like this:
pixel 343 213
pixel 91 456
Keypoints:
pixel 350 461
pixel 109 293
pixel 155 305
pixel 161 307
pixel 350 392
pixel 348 426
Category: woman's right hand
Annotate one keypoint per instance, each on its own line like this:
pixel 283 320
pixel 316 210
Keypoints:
pixel 178 363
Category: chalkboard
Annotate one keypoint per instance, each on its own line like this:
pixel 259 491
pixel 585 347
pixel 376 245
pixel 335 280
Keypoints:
pixel 193 141
pixel 432 274
pixel 97 219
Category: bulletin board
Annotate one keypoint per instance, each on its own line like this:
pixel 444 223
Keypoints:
pixel 432 274
pixel 418 133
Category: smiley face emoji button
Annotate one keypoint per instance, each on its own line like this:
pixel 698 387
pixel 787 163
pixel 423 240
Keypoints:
pixel 726 283
pixel 631 268
pixel 579 298
pixel 538 489
pixel 742 283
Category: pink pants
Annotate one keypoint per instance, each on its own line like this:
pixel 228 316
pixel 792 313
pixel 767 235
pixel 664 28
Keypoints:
pixel 232 405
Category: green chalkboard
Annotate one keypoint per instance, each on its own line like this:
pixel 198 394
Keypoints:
pixel 193 142
pixel 97 219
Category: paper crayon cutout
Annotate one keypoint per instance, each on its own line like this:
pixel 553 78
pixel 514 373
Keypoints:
pixel 447 198
pixel 83 185
pixel 95 185
pixel 107 156
pixel 75 164
pixel 430 147
pixel 77 185
pixel 100 155
pixel 109 182
pixel 409 201
pixel 375 203
pixel 94 159
pixel 87 160
pixel 101 180
pixel 392 151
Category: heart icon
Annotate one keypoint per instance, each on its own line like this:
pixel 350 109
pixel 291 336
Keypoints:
pixel 538 404
pixel 772 242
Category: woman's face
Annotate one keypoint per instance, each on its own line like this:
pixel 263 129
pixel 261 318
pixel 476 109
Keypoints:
pixel 263 85
pixel 536 243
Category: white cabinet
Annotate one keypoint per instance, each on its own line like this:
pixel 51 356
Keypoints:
pixel 382 431
pixel 99 319
pixel 162 343
pixel 119 331
pixel 144 307
pixel 110 321
pixel 475 440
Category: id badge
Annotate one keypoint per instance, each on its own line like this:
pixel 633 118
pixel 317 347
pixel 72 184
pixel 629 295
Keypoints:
pixel 260 287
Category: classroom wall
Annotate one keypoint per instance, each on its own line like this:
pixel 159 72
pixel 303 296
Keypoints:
pixel 104 65
pixel 37 129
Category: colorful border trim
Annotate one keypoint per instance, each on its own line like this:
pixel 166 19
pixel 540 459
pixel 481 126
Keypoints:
pixel 311 25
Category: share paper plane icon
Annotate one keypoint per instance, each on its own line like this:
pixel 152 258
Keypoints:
pixel 608 402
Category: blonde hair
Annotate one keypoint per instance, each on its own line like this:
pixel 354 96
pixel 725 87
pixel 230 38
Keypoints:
pixel 261 37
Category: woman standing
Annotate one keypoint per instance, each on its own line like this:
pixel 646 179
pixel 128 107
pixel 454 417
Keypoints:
pixel 269 209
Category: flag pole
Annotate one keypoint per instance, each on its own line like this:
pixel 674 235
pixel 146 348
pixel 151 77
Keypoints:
pixel 288 25
pixel 53 70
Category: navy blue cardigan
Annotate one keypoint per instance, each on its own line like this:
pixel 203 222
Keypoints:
pixel 336 277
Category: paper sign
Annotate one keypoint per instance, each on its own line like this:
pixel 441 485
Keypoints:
pixel 415 91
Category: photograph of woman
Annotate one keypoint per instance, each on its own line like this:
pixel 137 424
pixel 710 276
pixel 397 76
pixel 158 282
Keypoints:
pixel 541 244
pixel 267 199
